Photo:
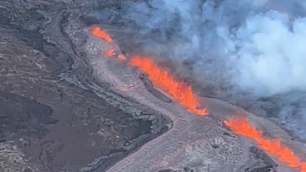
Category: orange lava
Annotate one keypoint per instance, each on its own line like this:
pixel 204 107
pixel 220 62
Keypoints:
pixel 303 167
pixel 162 78
pixel 110 52
pixel 241 126
pixel 101 34
pixel 184 94
pixel 121 57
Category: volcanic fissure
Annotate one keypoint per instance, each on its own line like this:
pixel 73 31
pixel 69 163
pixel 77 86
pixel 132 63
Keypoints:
pixel 184 95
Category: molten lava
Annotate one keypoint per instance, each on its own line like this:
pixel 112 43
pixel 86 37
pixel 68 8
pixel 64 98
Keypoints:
pixel 162 78
pixel 121 57
pixel 184 94
pixel 109 52
pixel 101 34
pixel 284 154
pixel 112 52
pixel 303 167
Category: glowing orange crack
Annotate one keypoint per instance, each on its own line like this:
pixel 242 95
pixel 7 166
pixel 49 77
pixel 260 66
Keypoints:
pixel 241 126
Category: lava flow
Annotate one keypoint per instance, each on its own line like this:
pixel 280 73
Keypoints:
pixel 110 52
pixel 183 93
pixel 163 79
pixel 101 34
pixel 284 154
pixel 160 77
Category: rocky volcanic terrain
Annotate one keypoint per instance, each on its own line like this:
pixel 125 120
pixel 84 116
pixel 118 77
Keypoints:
pixel 56 116
pixel 53 123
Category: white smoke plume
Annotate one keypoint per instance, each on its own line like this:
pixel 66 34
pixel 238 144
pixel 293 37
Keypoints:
pixel 257 49
pixel 254 46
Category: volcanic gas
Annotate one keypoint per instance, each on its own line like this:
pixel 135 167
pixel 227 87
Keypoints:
pixel 184 95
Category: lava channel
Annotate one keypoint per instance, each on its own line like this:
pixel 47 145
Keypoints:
pixel 241 126
pixel 184 94
pixel 159 76
pixel 163 79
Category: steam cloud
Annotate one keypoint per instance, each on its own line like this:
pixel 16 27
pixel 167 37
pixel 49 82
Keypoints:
pixel 260 50
pixel 254 46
